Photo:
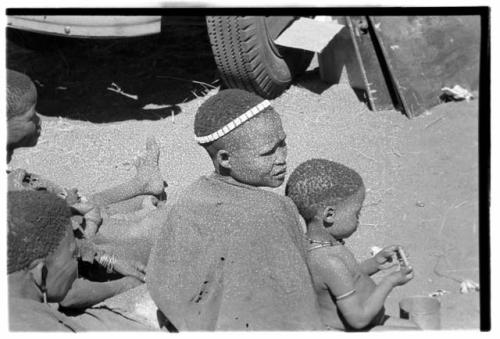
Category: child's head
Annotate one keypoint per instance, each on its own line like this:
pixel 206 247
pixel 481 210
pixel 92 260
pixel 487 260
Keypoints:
pixel 41 241
pixel 244 137
pixel 329 191
pixel 23 123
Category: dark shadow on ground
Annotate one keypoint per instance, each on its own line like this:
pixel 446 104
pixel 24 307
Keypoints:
pixel 311 81
pixel 72 75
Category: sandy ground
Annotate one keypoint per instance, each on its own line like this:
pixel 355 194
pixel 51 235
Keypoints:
pixel 421 175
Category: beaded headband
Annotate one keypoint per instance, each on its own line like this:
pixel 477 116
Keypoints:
pixel 233 124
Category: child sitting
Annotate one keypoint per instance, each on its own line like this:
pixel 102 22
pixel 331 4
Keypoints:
pixel 22 119
pixel 229 255
pixel 329 197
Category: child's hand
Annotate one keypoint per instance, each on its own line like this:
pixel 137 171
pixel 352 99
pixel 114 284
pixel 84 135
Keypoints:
pixel 402 276
pixel 385 256
pixel 82 207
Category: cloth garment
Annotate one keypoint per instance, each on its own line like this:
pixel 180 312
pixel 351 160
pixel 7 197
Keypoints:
pixel 103 318
pixel 135 304
pixel 30 315
pixel 231 257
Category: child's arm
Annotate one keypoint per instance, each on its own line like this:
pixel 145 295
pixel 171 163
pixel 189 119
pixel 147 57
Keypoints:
pixel 377 262
pixel 85 293
pixel 359 312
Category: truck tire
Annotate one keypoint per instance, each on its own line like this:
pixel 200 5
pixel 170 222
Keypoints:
pixel 247 57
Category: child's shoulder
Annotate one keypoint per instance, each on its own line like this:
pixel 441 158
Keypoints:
pixel 331 256
pixel 328 264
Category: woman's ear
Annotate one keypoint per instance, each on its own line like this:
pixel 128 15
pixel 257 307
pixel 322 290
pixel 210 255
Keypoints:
pixel 222 157
pixel 328 216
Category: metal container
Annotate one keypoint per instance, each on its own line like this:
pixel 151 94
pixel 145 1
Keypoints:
pixel 424 311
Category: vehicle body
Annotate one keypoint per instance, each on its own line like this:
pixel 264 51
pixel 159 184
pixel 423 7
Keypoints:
pixel 243 46
pixel 93 26
pixel 393 62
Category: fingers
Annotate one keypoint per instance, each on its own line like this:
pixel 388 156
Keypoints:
pixel 391 248
pixel 389 266
pixel 140 276
pixel 140 267
pixel 83 207
pixel 407 271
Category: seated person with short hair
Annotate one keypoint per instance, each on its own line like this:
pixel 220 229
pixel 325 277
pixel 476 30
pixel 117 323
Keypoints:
pixel 42 266
pixel 23 121
pixel 230 254
pixel 42 262
pixel 329 197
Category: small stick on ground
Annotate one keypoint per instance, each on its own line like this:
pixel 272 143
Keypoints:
pixel 443 222
pixel 443 275
pixel 373 225
pixel 434 122
pixel 115 88
pixel 396 153
pixel 203 84
pixel 186 80
pixel 462 203
pixel 366 156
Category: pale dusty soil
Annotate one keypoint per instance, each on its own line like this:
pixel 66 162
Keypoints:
pixel 421 175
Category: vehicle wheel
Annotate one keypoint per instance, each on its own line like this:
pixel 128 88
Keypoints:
pixel 247 57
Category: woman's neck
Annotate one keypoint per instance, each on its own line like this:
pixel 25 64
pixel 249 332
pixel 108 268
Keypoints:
pixel 22 286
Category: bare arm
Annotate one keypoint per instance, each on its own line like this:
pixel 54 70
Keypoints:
pixel 85 293
pixel 358 312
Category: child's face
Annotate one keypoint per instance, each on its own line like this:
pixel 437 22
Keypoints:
pixel 259 155
pixel 23 130
pixel 346 220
